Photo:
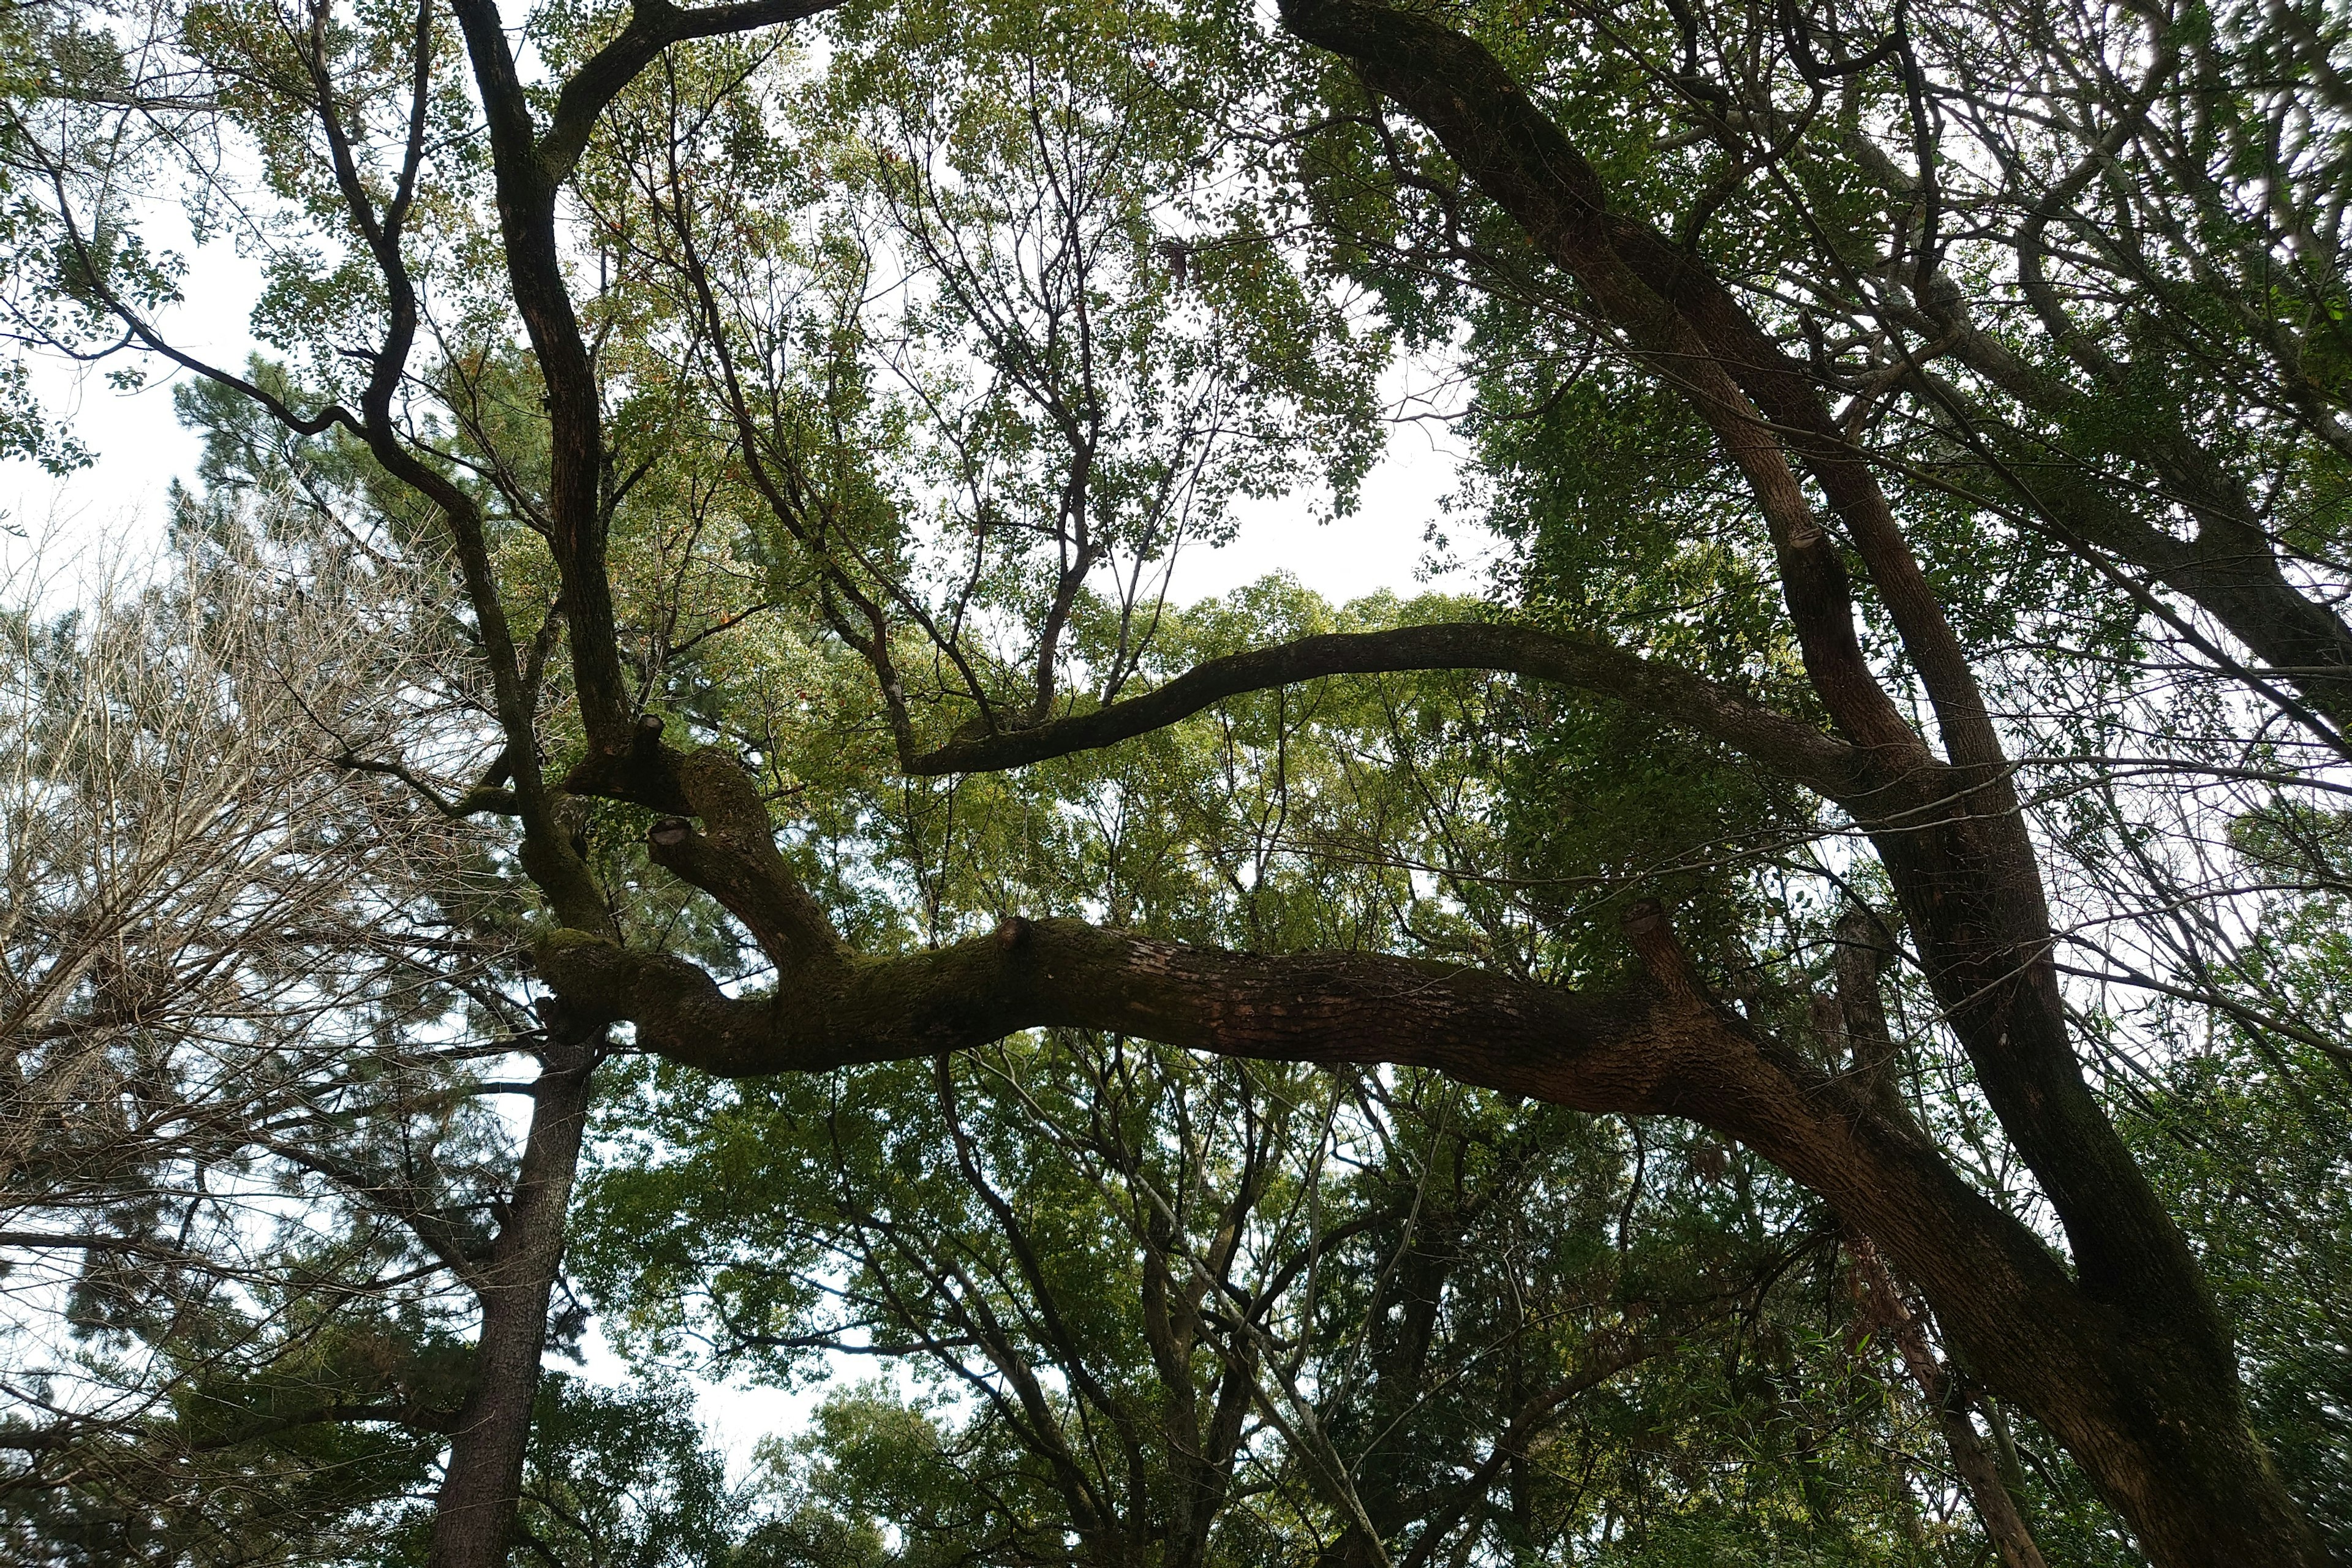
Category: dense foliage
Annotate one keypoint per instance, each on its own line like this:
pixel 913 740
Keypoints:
pixel 658 810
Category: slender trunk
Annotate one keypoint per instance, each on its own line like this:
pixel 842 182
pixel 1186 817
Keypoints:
pixel 1980 1472
pixel 474 1516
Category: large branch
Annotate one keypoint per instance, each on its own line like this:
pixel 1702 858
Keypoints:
pixel 526 192
pixel 1969 881
pixel 1794 750
pixel 1661 1048
pixel 2089 1370
pixel 530 169
pixel 735 861
pixel 654 25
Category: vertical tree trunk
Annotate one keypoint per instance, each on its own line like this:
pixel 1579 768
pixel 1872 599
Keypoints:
pixel 1979 1471
pixel 474 1515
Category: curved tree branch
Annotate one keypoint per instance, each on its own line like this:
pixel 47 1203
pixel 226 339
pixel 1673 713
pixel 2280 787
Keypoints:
pixel 654 25
pixel 1795 750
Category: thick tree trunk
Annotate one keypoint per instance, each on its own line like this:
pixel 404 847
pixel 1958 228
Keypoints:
pixel 474 1515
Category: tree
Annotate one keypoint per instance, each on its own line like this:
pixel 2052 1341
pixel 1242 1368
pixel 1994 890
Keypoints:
pixel 1684 232
pixel 218 959
pixel 252 1186
pixel 1249 1312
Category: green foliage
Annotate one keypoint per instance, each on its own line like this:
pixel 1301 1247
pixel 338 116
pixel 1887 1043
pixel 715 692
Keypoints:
pixel 925 340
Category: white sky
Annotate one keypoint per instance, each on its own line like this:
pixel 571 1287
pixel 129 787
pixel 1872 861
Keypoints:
pixel 141 448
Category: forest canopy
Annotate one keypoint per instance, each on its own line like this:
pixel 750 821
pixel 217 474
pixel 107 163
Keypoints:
pixel 659 822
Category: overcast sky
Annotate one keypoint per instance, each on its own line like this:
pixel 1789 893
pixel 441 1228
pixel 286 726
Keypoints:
pixel 141 448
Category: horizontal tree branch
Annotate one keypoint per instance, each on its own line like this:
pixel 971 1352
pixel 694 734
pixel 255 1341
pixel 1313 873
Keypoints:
pixel 1797 751
pixel 2082 1362
pixel 485 796
pixel 1661 1048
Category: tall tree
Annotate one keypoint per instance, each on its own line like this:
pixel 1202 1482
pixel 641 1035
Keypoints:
pixel 1897 318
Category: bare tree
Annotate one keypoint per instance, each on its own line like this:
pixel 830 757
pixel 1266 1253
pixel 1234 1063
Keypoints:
pixel 250 1185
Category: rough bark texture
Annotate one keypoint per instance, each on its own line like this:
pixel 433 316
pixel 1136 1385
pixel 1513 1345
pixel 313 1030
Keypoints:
pixel 473 1521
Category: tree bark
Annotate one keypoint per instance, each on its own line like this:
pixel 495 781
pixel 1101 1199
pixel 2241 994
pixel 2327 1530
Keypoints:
pixel 2142 1407
pixel 474 1514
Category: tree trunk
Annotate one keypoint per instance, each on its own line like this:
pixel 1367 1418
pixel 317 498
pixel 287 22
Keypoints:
pixel 474 1515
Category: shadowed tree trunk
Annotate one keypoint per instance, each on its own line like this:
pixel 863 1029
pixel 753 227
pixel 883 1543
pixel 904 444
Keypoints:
pixel 473 1521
